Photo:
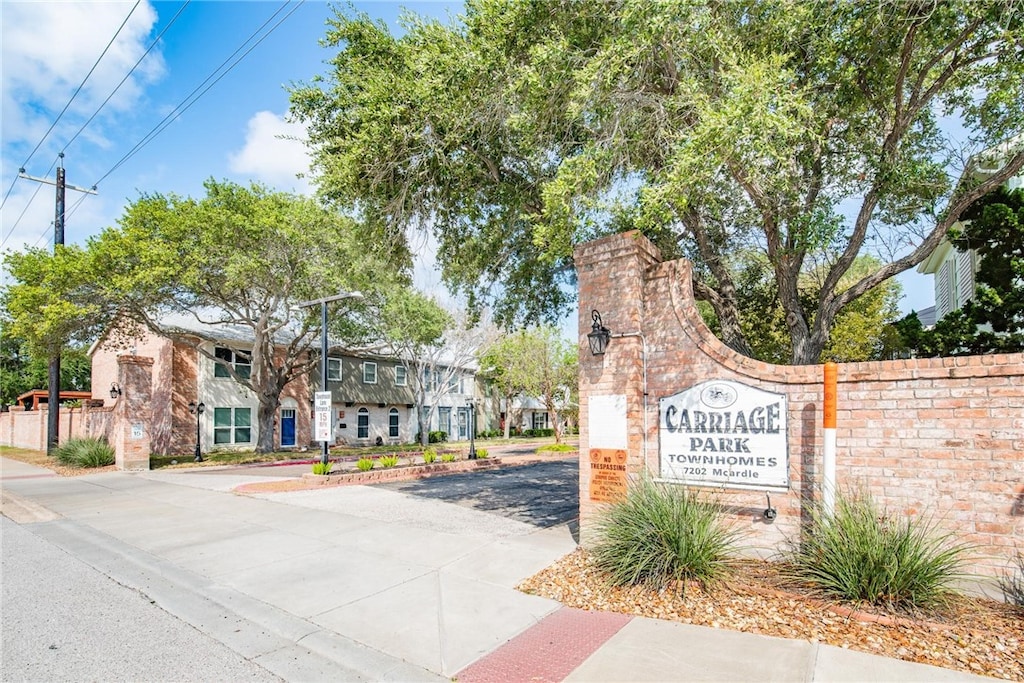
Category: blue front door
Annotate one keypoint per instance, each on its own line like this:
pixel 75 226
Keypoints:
pixel 287 427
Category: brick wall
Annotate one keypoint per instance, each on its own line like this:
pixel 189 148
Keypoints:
pixel 939 437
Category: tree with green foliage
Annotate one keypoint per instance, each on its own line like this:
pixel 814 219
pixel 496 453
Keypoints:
pixel 435 347
pixel 993 320
pixel 506 366
pixel 859 330
pixel 241 256
pixel 21 370
pixel 537 363
pixel 808 130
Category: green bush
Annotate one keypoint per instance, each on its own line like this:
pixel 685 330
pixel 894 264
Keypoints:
pixel 861 554
pixel 429 455
pixel 1012 584
pixel 85 453
pixel 447 457
pixel 660 533
pixel 388 461
pixel 534 433
pixel 364 464
pixel 321 468
pixel 481 453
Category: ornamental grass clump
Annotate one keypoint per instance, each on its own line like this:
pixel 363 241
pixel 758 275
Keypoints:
pixel 82 452
pixel 659 534
pixel 321 468
pixel 1012 583
pixel 364 464
pixel 861 554
pixel 429 455
pixel 387 461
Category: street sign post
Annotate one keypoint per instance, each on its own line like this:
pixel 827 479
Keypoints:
pixel 322 416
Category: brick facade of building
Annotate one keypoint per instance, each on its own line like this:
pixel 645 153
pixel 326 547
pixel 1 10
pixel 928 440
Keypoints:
pixel 938 437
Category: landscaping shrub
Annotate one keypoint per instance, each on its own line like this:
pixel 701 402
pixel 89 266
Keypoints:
pixel 429 455
pixel 388 461
pixel 660 533
pixel 534 433
pixel 861 554
pixel 447 457
pixel 1012 584
pixel 364 464
pixel 85 453
pixel 321 468
pixel 481 453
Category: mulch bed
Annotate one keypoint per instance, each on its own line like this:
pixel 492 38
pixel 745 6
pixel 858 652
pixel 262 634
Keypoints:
pixel 973 635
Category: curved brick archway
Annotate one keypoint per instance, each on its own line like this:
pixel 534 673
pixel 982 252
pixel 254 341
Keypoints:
pixel 938 436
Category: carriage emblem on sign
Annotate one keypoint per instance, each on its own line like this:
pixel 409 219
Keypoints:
pixel 718 396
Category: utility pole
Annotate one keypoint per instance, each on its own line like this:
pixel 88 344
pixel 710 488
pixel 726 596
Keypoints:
pixel 53 374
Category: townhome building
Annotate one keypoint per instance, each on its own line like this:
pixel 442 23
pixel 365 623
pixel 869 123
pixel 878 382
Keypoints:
pixel 372 398
pixel 952 270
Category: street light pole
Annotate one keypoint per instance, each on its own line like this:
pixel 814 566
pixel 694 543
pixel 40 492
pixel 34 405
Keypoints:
pixel 472 428
pixel 325 452
pixel 197 410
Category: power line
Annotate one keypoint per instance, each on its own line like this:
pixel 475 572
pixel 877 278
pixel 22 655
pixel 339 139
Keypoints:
pixel 73 96
pixel 193 97
pixel 127 75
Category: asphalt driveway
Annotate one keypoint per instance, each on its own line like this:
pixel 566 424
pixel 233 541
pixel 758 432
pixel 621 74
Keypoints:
pixel 543 494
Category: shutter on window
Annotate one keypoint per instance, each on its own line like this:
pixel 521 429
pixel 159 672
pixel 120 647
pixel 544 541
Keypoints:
pixel 943 284
pixel 964 276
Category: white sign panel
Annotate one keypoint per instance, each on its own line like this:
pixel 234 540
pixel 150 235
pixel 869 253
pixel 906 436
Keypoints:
pixel 322 416
pixel 138 431
pixel 723 433
pixel 606 422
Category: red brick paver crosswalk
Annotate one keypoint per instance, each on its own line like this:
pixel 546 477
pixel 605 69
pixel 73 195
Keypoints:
pixel 548 651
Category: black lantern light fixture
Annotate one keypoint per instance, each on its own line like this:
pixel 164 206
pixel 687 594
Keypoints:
pixel 197 410
pixel 471 419
pixel 599 336
pixel 115 390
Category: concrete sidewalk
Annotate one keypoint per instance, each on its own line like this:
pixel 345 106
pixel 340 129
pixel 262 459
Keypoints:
pixel 362 583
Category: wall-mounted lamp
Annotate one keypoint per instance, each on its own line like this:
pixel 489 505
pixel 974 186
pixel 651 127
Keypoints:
pixel 600 336
pixel 115 390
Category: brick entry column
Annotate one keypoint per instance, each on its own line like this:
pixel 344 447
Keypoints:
pixel 612 272
pixel 131 431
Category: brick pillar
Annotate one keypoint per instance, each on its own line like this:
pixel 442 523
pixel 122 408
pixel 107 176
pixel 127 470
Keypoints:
pixel 131 431
pixel 612 272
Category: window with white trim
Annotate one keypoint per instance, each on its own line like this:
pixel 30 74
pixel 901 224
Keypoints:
pixel 399 375
pixel 239 360
pixel 369 372
pixel 363 424
pixel 334 369
pixel 393 423
pixel 232 425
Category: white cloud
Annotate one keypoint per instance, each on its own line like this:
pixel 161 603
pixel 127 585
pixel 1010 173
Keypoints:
pixel 49 48
pixel 274 153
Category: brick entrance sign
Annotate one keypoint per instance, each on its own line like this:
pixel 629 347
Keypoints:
pixel 935 437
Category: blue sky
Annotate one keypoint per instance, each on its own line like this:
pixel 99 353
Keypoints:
pixel 229 132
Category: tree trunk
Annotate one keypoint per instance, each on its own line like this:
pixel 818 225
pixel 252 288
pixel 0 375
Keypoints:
pixel 508 417
pixel 555 422
pixel 266 415
pixel 424 424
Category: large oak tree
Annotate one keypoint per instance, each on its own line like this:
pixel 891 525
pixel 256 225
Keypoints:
pixel 812 131
pixel 240 256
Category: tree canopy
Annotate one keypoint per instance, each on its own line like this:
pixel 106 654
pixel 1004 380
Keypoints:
pixel 535 363
pixel 241 256
pixel 811 131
